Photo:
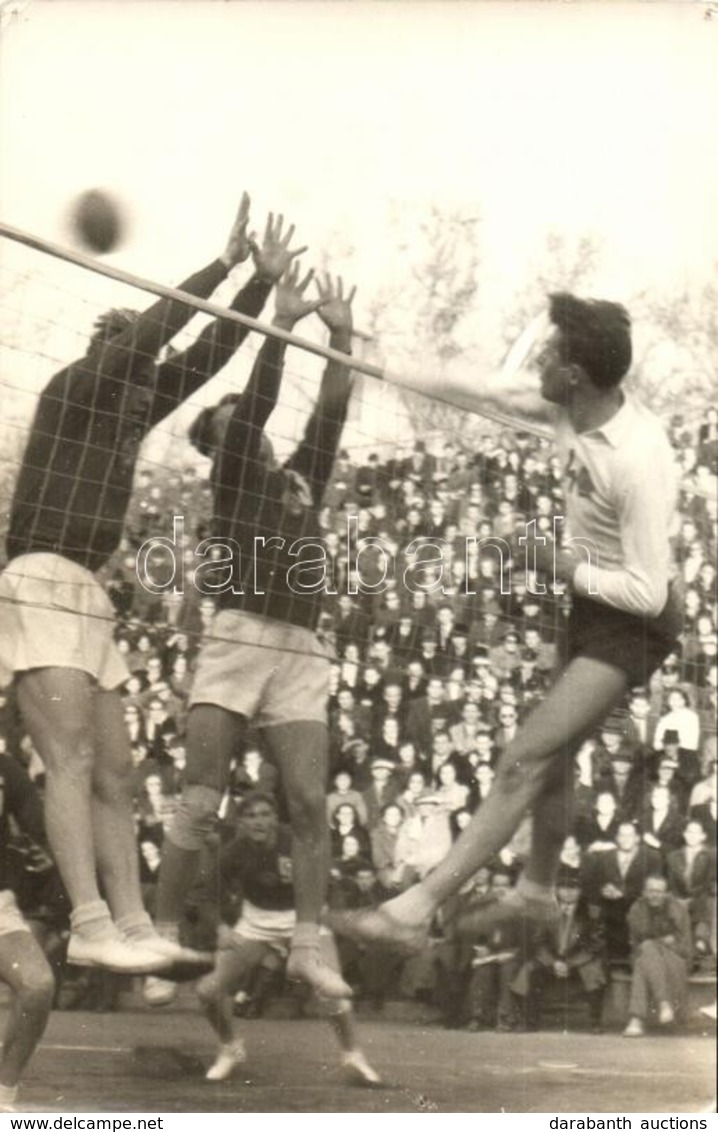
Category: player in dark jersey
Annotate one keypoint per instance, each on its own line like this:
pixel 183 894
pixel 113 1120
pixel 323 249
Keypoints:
pixel 56 622
pixel 265 664
pixel 23 967
pixel 257 866
pixel 620 491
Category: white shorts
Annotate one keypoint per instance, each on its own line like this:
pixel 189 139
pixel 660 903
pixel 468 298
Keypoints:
pixel 11 920
pixel 268 671
pixel 55 614
pixel 264 925
pixel 274 927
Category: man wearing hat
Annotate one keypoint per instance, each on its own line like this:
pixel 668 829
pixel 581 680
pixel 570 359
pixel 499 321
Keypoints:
pixel 506 658
pixel 382 789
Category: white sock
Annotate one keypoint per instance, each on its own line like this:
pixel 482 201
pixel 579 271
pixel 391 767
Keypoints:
pixel 92 920
pixel 8 1094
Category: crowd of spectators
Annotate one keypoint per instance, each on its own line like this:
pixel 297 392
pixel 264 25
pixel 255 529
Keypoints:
pixel 438 661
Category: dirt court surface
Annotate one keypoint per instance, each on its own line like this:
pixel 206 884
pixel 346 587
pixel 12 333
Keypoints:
pixel 154 1062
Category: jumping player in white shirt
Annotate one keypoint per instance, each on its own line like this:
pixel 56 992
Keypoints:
pixel 620 491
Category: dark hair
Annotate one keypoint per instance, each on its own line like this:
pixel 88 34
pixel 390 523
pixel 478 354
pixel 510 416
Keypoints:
pixel 112 323
pixel 200 431
pixel 254 798
pixel 595 335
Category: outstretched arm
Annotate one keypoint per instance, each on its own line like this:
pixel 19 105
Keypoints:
pixel 165 318
pixel 179 378
pixel 244 430
pixel 511 390
pixel 314 458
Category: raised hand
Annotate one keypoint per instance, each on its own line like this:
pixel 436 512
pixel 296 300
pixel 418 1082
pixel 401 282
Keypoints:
pixel 273 256
pixel 290 304
pixel 336 310
pixel 239 244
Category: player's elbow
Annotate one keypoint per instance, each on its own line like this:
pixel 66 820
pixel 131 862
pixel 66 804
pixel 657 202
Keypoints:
pixel 646 598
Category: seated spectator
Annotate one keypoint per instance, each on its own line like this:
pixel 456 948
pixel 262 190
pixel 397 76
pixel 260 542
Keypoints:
pixel 383 838
pixel 383 788
pixel 354 756
pixel 497 957
pixel 346 824
pixel 598 832
pixel 573 948
pixel 453 795
pixel 691 873
pixel 661 822
pixel 409 797
pixel 423 839
pixel 706 789
pixel 684 720
pixel 344 792
pixel 155 808
pixel 614 879
pixel 660 936
pixel 254 772
pixel 665 775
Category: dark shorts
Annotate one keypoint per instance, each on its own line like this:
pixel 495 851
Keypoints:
pixel 637 645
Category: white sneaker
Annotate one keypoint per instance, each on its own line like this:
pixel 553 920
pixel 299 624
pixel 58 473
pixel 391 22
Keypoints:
pixel 709 1011
pixel 666 1014
pixel 114 953
pixel 634 1029
pixel 158 992
pixel 228 1058
pixel 359 1069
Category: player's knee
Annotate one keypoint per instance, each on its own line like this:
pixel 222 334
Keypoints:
pixel 208 989
pixel 307 809
pixel 113 783
pixel 36 989
pixel 195 817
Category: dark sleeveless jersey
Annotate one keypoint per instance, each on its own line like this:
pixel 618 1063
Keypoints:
pixel 75 482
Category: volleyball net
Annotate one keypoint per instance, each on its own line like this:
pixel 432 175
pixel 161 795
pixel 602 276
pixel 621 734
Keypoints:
pixel 417 559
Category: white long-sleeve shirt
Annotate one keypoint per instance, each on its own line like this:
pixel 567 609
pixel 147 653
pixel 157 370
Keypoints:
pixel 621 488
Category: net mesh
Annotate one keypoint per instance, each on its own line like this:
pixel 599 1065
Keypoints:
pixel 413 528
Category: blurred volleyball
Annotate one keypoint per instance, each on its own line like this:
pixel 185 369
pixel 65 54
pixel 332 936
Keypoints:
pixel 97 221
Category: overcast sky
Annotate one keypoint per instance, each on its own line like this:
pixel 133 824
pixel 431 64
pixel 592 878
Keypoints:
pixel 585 117
pixel 594 119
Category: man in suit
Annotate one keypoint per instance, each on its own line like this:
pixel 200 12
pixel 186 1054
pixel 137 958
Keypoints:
pixel 614 880
pixel 660 937
pixel 691 873
pixel 573 948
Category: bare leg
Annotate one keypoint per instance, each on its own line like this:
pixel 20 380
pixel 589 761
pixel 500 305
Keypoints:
pixel 57 706
pixel 553 813
pixel 301 751
pixel 25 970
pixel 113 825
pixel 214 735
pixel 216 990
pixel 574 707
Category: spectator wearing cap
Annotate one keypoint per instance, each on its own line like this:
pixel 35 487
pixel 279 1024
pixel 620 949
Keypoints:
pixel 682 718
pixel 356 759
pixel 425 839
pixel 665 775
pixel 382 789
pixel 691 872
pixel 660 938
pixel 625 778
